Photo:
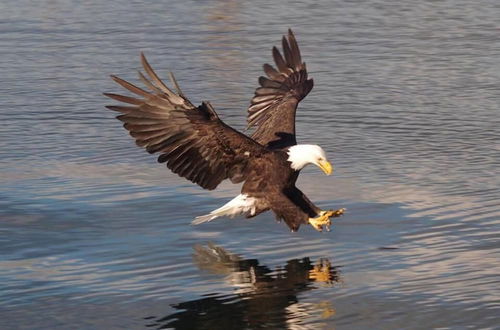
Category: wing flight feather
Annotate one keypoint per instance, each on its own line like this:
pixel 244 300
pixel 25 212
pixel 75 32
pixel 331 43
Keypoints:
pixel 192 141
pixel 272 109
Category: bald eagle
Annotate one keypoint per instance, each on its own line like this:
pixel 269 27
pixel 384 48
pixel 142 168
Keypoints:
pixel 197 145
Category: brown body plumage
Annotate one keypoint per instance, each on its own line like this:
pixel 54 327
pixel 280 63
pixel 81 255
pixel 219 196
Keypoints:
pixel 197 145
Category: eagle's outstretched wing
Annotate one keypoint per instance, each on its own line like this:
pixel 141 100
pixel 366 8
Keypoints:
pixel 272 109
pixel 193 141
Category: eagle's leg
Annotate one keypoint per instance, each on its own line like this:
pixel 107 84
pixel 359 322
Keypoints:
pixel 323 219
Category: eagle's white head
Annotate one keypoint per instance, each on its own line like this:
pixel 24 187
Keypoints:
pixel 301 155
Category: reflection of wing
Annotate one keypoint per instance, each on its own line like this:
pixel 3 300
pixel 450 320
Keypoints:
pixel 215 259
pixel 273 107
pixel 264 298
pixel 193 141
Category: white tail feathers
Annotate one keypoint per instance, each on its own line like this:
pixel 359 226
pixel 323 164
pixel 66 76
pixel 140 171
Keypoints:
pixel 241 204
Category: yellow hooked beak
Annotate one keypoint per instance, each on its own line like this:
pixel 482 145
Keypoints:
pixel 325 166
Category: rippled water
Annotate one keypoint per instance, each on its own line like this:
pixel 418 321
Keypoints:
pixel 96 234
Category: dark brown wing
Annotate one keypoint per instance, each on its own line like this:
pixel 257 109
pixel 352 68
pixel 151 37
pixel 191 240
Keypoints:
pixel 193 141
pixel 272 109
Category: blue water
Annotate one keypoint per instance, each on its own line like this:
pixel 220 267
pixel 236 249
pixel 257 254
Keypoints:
pixel 94 234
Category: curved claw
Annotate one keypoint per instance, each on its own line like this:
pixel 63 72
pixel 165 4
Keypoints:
pixel 323 219
pixel 320 221
pixel 333 213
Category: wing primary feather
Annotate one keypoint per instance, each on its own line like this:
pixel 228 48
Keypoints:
pixel 294 48
pixel 130 87
pixel 121 108
pixel 192 141
pixel 176 85
pixel 287 52
pixel 266 82
pixel 268 91
pixel 137 121
pixel 132 112
pixel 272 73
pixel 147 135
pixel 154 77
pixel 278 59
pixel 272 109
pixel 148 83
pixel 122 98
pixel 146 128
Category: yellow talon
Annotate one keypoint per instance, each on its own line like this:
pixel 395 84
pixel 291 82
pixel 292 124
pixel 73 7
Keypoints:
pixel 323 219
pixel 320 221
pixel 333 213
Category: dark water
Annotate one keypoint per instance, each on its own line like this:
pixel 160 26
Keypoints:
pixel 94 234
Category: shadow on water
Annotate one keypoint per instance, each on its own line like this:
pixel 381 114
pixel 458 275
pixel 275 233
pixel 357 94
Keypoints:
pixel 263 298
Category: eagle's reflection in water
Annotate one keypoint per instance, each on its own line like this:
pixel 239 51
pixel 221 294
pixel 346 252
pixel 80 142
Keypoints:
pixel 263 298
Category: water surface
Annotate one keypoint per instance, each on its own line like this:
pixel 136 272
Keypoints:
pixel 96 234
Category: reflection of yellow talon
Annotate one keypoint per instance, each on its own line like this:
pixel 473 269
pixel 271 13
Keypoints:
pixel 326 308
pixel 322 272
